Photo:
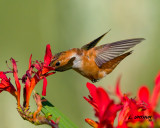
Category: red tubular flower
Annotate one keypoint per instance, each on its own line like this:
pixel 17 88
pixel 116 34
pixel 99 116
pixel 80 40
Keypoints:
pixel 144 106
pixel 104 107
pixel 91 123
pixel 137 112
pixel 44 87
pixel 5 84
pixel 44 70
pixel 118 91
pixel 131 109
pixel 156 92
pixel 48 56
pixel 30 79
pixel 144 95
pixel 16 80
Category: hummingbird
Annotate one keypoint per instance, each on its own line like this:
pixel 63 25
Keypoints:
pixel 94 62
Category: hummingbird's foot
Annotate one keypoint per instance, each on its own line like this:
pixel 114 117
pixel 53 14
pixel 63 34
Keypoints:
pixel 94 80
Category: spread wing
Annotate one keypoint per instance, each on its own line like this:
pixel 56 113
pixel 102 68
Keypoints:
pixel 110 51
pixel 93 43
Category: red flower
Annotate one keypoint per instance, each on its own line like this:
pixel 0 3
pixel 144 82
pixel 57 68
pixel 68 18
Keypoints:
pixel 104 107
pixel 44 70
pixel 151 100
pixel 44 87
pixel 137 112
pixel 5 84
pixel 143 106
pixel 36 71
pixel 18 85
pixel 131 109
pixel 48 56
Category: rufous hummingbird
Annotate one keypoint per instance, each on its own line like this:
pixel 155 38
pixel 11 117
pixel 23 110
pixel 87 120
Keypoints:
pixel 94 62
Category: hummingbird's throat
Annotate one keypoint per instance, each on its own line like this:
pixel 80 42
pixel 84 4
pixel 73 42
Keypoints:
pixel 77 63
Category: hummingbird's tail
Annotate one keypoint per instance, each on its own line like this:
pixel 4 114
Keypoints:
pixel 110 65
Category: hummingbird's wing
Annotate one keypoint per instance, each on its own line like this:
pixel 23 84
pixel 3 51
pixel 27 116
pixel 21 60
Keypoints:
pixel 110 65
pixel 107 52
pixel 93 43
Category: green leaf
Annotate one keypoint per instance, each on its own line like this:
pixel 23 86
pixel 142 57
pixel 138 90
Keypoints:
pixel 49 109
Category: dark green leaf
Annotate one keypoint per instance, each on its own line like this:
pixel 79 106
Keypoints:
pixel 49 109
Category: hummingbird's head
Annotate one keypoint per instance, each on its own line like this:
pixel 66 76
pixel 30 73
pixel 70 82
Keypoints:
pixel 63 61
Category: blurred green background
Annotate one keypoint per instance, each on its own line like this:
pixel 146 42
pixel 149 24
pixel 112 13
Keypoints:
pixel 27 26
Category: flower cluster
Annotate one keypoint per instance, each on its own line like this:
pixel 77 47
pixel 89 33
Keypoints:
pixel 133 112
pixel 31 78
pixel 36 71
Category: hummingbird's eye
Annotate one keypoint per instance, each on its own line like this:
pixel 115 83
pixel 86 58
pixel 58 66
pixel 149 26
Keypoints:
pixel 58 63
